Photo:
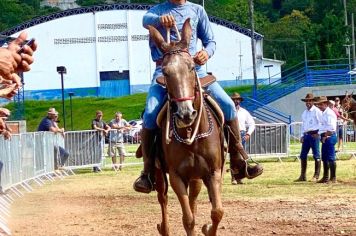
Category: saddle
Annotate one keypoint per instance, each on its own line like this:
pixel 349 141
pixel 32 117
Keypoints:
pixel 211 103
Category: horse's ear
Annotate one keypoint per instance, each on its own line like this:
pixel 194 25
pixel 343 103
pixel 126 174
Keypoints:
pixel 158 39
pixel 346 94
pixel 186 33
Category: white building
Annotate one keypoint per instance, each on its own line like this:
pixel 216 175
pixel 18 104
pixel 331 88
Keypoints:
pixel 105 51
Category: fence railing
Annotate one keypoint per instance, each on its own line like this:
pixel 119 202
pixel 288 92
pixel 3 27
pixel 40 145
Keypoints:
pixel 31 157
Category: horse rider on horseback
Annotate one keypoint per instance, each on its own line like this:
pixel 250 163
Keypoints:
pixel 167 15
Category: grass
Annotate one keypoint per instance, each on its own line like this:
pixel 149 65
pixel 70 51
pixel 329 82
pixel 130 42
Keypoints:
pixel 276 182
pixel 84 109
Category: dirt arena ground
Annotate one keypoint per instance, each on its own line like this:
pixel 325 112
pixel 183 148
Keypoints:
pixel 104 204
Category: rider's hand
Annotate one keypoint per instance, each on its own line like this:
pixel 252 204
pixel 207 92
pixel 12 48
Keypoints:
pixel 167 21
pixel 201 57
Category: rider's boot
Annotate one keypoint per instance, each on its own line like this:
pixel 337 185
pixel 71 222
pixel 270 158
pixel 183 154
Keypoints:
pixel 238 165
pixel 144 183
pixel 303 169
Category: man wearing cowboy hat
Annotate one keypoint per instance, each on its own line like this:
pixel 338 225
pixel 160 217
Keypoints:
pixel 49 124
pixel 247 126
pixel 311 119
pixel 327 131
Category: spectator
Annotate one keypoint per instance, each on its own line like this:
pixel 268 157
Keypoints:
pixel 4 128
pixel 49 123
pixel 327 133
pixel 311 118
pixel 341 123
pixel 103 129
pixel 246 125
pixel 169 14
pixel 118 126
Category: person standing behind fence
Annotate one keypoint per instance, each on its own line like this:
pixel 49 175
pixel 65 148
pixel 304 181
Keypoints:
pixel 247 127
pixel 327 133
pixel 118 126
pixel 49 124
pixel 311 119
pixel 341 122
pixel 103 129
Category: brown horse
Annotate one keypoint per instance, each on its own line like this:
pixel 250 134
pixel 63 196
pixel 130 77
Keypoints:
pixel 192 140
pixel 349 106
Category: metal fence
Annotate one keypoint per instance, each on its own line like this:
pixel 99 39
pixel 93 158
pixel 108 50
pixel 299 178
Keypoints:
pixel 86 148
pixel 31 157
pixel 347 144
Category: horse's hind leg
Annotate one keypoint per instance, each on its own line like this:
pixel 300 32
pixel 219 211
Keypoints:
pixel 194 190
pixel 163 227
pixel 214 189
pixel 180 188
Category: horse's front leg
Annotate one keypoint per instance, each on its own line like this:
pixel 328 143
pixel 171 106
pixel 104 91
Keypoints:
pixel 163 227
pixel 194 190
pixel 213 185
pixel 180 188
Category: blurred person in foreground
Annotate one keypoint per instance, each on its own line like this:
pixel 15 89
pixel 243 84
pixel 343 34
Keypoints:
pixel 103 129
pixel 327 131
pixel 310 139
pixel 119 127
pixel 11 63
pixel 49 123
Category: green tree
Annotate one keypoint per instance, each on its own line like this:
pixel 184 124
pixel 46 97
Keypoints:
pixel 284 38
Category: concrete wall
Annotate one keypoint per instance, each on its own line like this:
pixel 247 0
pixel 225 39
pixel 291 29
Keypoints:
pixel 292 104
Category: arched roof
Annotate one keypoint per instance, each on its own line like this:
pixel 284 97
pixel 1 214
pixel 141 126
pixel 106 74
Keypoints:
pixel 118 6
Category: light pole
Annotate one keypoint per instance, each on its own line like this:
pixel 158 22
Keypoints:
pixel 349 55
pixel 71 94
pixel 253 46
pixel 62 70
pixel 269 76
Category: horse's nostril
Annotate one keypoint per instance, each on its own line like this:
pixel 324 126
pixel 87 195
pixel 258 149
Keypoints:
pixel 194 114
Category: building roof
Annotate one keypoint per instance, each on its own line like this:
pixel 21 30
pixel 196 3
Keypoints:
pixel 118 6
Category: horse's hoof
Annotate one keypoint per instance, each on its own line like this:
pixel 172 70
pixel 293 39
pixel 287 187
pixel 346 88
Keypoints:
pixel 206 228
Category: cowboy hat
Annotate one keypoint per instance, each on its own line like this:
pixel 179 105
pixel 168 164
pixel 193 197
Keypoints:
pixel 236 96
pixel 52 111
pixel 321 99
pixel 309 96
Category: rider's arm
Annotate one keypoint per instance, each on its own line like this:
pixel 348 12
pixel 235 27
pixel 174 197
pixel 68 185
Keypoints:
pixel 151 18
pixel 205 33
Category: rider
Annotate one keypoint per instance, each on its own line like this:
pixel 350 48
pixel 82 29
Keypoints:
pixel 163 16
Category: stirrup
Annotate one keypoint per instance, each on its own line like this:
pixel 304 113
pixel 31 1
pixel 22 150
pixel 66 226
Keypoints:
pixel 140 185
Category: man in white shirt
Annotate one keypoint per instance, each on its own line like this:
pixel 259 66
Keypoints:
pixel 247 126
pixel 118 127
pixel 310 138
pixel 327 131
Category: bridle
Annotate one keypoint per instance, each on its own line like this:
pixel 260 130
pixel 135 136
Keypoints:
pixel 192 136
pixel 181 99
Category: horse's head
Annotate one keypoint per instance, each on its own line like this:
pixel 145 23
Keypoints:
pixel 179 72
pixel 346 103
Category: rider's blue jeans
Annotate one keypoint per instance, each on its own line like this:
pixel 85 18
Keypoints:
pixel 157 95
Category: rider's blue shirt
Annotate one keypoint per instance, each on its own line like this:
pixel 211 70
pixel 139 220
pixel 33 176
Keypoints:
pixel 201 28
